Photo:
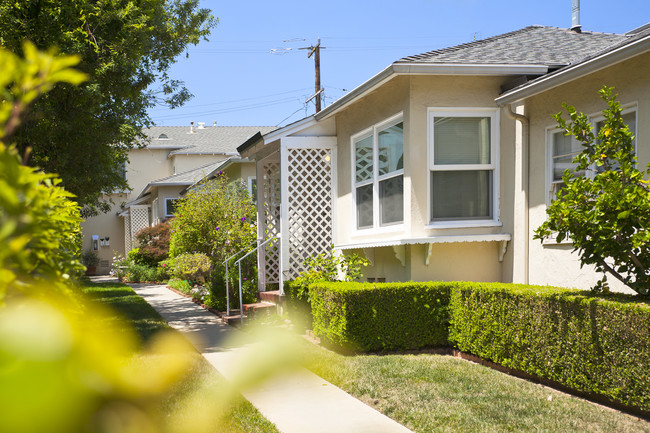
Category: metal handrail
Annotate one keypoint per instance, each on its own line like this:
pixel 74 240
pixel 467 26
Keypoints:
pixel 226 263
pixel 238 263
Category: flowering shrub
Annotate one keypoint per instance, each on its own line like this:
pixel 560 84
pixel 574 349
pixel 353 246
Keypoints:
pixel 216 219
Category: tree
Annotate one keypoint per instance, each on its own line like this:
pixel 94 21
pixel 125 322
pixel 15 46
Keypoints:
pixel 84 133
pixel 605 211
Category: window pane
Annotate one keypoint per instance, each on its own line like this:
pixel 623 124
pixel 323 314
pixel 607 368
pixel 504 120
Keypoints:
pixel 461 194
pixel 461 140
pixel 391 149
pixel 565 148
pixel 391 200
pixel 170 206
pixel 363 159
pixel 364 206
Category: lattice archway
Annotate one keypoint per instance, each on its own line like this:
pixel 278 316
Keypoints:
pixel 309 205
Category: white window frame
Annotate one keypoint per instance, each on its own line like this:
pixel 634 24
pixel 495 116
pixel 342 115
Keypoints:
pixel 167 200
pixel 373 132
pixel 249 187
pixel 593 119
pixel 493 114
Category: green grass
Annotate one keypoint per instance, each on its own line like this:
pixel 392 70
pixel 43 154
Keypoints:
pixel 197 391
pixel 434 393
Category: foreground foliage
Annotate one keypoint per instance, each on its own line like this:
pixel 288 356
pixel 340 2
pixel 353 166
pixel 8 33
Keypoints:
pixel 604 209
pixel 40 233
pixel 593 344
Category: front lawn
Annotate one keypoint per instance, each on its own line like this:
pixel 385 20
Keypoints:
pixel 435 393
pixel 197 392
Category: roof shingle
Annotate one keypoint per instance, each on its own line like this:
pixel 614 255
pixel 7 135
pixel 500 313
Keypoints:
pixel 533 45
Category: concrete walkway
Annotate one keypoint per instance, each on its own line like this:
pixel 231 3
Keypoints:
pixel 297 401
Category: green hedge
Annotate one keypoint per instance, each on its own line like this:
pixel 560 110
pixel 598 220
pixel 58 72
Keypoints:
pixel 389 316
pixel 588 343
pixel 594 344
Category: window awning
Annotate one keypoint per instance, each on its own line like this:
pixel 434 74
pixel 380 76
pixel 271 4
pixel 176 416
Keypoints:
pixel 427 240
pixel 399 244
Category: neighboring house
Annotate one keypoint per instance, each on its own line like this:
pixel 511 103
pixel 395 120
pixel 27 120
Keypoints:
pixel 426 171
pixel 173 159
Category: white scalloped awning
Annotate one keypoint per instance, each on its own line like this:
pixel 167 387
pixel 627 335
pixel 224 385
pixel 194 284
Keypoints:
pixel 502 237
pixel 399 245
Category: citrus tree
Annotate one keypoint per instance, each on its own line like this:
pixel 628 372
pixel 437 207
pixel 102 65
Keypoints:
pixel 604 207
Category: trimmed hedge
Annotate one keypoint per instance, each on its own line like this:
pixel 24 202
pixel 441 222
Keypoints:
pixel 594 344
pixel 388 316
pixel 589 343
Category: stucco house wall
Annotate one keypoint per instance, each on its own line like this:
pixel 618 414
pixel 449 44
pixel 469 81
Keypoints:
pixel 552 263
pixel 105 225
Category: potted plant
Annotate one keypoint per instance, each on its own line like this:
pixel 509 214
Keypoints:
pixel 90 260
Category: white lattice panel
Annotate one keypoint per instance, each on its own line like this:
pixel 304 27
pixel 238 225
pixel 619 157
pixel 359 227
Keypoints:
pixel 270 255
pixel 139 220
pixel 309 205
pixel 128 246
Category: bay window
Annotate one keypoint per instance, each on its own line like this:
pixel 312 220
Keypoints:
pixel 462 165
pixel 378 174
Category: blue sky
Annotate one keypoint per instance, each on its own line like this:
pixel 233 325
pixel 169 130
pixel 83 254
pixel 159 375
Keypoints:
pixel 237 80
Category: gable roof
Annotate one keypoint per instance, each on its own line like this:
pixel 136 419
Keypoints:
pixel 634 43
pixel 533 50
pixel 533 45
pixel 210 140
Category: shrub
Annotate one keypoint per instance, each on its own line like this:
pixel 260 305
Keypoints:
pixel 193 267
pixel 594 344
pixel 153 244
pixel 389 316
pixel 588 343
pixel 216 218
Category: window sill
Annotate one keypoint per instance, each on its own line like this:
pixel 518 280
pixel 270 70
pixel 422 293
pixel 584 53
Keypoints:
pixel 550 242
pixel 463 224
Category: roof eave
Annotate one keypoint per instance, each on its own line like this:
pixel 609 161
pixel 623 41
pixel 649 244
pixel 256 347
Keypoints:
pixel 576 71
pixel 421 68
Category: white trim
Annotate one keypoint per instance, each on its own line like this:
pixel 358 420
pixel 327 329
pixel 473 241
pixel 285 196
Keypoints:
pixel 420 68
pixel 461 224
pixel 167 200
pixel 284 210
pixel 373 132
pixel 312 142
pixel 427 240
pixel 494 165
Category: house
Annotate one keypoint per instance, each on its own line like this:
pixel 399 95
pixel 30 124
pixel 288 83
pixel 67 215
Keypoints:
pixel 441 166
pixel 172 159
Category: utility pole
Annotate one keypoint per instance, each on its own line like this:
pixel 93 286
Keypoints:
pixel 315 51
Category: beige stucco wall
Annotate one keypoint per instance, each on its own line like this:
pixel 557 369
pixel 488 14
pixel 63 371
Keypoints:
pixel 183 163
pixel 551 263
pixel 146 165
pixel 413 95
pixel 103 225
